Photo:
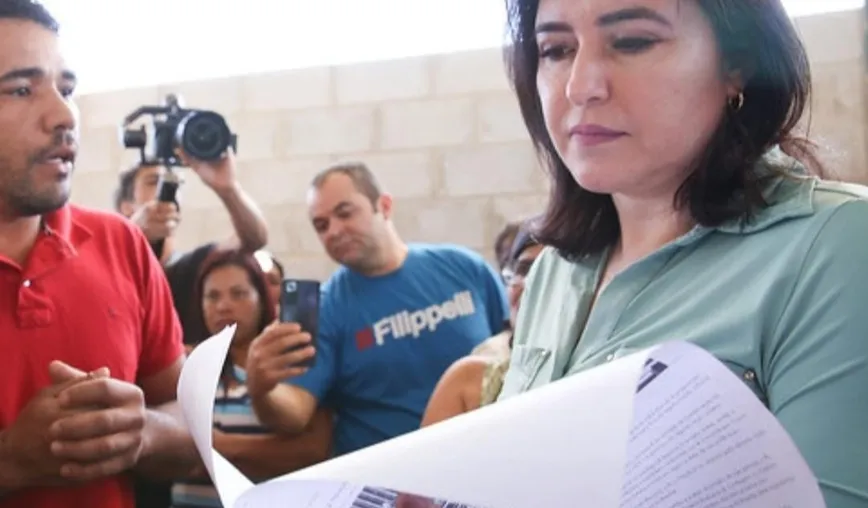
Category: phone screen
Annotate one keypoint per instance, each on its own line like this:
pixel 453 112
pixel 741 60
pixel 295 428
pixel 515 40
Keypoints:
pixel 299 303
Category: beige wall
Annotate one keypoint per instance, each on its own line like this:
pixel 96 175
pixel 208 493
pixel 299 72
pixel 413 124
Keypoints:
pixel 838 117
pixel 442 132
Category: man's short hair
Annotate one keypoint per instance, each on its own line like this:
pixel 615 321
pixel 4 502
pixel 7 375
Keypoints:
pixel 362 177
pixel 28 10
pixel 126 185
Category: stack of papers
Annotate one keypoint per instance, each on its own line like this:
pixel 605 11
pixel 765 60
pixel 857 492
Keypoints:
pixel 669 427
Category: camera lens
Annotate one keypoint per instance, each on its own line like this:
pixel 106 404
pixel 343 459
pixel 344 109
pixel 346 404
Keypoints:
pixel 203 135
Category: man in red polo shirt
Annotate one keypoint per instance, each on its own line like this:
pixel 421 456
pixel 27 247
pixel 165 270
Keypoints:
pixel 90 346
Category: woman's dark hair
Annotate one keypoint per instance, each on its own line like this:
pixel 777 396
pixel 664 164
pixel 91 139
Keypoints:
pixel 756 38
pixel 222 258
pixel 503 243
pixel 524 239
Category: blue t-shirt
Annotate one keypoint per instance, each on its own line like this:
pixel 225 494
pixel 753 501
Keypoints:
pixel 384 342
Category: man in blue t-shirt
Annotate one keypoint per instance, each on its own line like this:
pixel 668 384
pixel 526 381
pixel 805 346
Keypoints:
pixel 393 318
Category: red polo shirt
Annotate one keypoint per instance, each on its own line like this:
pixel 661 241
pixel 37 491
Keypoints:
pixel 91 294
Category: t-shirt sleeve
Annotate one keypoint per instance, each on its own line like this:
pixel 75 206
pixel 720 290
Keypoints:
pixel 319 379
pixel 817 362
pixel 161 329
pixel 494 292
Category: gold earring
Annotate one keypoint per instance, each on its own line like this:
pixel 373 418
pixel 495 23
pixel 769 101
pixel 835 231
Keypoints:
pixel 737 102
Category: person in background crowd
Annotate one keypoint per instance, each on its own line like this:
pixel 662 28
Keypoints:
pixel 136 199
pixel 476 380
pixel 393 318
pixel 503 242
pixel 498 346
pixel 273 270
pixel 233 290
pixel 91 345
pixel 684 207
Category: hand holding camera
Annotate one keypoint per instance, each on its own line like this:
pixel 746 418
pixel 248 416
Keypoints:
pixel 281 352
pixel 218 174
pixel 157 219
pixel 173 129
pixel 174 136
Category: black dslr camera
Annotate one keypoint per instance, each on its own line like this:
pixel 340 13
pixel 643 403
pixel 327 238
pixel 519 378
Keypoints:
pixel 202 135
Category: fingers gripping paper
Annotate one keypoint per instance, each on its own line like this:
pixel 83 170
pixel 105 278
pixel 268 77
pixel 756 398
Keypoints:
pixel 669 427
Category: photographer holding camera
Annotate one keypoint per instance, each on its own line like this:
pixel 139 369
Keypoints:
pixel 148 192
pixel 148 195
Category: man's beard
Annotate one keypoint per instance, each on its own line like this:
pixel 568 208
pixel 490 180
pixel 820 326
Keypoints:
pixel 33 204
pixel 19 192
pixel 20 197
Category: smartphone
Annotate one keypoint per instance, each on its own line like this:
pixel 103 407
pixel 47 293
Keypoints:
pixel 299 303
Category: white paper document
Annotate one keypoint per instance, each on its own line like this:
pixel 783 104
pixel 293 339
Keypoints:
pixel 669 427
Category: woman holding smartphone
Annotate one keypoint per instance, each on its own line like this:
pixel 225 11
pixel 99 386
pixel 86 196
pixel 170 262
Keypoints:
pixel 233 290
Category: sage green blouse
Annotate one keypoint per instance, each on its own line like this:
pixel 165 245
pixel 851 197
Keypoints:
pixel 781 300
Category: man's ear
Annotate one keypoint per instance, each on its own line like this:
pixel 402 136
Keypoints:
pixel 384 205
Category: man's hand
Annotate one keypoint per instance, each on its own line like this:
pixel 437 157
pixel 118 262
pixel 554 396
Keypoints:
pixel 219 175
pixel 26 445
pixel 277 355
pixel 102 432
pixel 157 220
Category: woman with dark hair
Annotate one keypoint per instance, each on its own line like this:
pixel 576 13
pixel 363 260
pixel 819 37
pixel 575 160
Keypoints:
pixel 232 289
pixel 476 379
pixel 503 242
pixel 684 207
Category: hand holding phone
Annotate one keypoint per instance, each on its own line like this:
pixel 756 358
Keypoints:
pixel 299 303
pixel 282 351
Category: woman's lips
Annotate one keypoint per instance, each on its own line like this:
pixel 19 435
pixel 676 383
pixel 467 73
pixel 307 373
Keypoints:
pixel 593 134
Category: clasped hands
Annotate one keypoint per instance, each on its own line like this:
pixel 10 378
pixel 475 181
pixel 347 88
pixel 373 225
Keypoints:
pixel 83 427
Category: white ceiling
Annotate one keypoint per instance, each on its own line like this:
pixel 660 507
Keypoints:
pixel 122 43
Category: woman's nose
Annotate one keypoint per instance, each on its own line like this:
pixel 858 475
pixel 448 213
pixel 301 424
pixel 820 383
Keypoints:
pixel 223 305
pixel 588 82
